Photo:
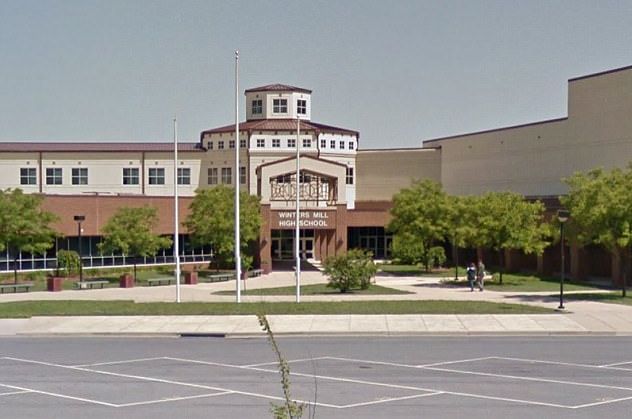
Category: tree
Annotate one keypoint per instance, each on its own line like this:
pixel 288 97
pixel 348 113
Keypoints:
pixel 211 221
pixel 353 269
pixel 506 221
pixel 130 232
pixel 462 220
pixel 420 212
pixel 601 212
pixel 24 225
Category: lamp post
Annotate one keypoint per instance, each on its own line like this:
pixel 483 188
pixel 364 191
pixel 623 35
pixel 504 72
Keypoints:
pixel 562 217
pixel 79 219
pixel 456 258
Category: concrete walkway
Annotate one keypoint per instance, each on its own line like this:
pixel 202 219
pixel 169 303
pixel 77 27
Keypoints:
pixel 581 317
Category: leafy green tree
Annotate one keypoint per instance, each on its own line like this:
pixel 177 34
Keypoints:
pixel 24 225
pixel 506 221
pixel 353 269
pixel 601 212
pixel 211 221
pixel 130 232
pixel 463 221
pixel 420 211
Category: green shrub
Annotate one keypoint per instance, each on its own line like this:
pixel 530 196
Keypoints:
pixel 436 257
pixel 353 269
pixel 68 262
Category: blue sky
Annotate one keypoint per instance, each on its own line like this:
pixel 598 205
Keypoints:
pixel 397 71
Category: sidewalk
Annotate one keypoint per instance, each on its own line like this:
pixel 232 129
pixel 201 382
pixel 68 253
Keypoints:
pixel 582 317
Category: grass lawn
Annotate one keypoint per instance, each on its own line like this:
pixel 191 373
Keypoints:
pixel 414 270
pixel 316 289
pixel 527 283
pixel 609 297
pixel 24 309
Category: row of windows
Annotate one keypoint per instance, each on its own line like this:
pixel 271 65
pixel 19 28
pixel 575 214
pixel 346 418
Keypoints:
pixel 226 175
pixel 222 143
pixel 131 176
pixel 279 106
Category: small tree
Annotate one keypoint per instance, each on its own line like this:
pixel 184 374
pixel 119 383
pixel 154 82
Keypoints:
pixel 601 212
pixel 68 262
pixel 212 221
pixel 130 232
pixel 407 250
pixel 24 225
pixel 507 221
pixel 353 269
pixel 420 212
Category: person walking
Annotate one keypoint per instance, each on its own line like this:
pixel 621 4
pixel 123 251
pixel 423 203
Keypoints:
pixel 480 274
pixel 471 275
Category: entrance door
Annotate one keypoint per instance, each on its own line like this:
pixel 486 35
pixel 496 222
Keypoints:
pixel 307 248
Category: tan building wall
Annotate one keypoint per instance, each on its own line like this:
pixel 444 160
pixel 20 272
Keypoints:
pixel 382 173
pixel 533 159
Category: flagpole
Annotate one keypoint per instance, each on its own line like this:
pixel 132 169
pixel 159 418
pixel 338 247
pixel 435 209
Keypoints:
pixel 237 249
pixel 298 212
pixel 176 239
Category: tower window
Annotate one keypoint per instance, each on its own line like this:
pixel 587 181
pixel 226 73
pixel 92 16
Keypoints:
pixel 349 175
pixel 257 107
pixel 279 105
pixel 301 107
pixel 28 176
pixel 261 142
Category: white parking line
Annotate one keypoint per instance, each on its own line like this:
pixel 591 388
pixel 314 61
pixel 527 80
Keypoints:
pixel 63 396
pixel 615 364
pixel 390 399
pixel 11 393
pixel 159 380
pixel 175 399
pixel 569 364
pixel 117 362
pixel 263 364
pixel 602 402
pixel 396 364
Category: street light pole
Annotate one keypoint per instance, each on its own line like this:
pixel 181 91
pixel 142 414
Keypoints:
pixel 79 219
pixel 562 216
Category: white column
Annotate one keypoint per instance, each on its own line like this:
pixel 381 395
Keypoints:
pixel 237 249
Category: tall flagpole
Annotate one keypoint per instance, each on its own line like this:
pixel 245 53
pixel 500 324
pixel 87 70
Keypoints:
pixel 176 238
pixel 298 212
pixel 237 250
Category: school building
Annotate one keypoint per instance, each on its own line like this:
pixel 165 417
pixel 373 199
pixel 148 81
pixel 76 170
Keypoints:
pixel 345 190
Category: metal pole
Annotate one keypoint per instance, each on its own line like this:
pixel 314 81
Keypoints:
pixel 80 258
pixel 456 259
pixel 561 307
pixel 237 249
pixel 176 218
pixel 298 212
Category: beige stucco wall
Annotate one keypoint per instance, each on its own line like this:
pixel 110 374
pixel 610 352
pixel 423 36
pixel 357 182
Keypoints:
pixel 533 159
pixel 382 173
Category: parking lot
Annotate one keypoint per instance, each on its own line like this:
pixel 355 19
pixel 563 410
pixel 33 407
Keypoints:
pixel 334 377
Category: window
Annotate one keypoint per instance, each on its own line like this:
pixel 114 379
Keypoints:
pixel 349 175
pixel 80 176
pixel 242 143
pixel 220 145
pixel 261 143
pixel 257 106
pixel 156 176
pixel 212 176
pixel 231 144
pixel 332 144
pixel 323 143
pixel 28 176
pixel 227 175
pixel 342 145
pixel 184 176
pixel 301 107
pixel 351 145
pixel 307 143
pixel 279 105
pixel 131 176
pixel 291 143
pixel 276 143
pixel 209 146
pixel 242 175
pixel 53 176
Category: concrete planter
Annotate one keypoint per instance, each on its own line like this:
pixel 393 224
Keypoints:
pixel 190 278
pixel 126 281
pixel 54 283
